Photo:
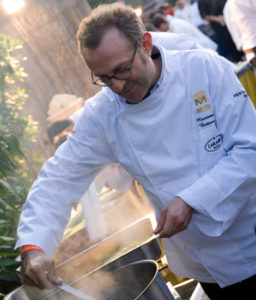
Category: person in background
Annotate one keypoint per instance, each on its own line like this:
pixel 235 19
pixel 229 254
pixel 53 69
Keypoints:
pixel 186 11
pixel 58 131
pixel 212 11
pixel 169 23
pixel 168 10
pixel 161 24
pixel 240 18
pixel 113 176
pixel 182 125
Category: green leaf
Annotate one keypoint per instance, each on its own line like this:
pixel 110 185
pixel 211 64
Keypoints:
pixel 8 276
pixel 13 145
pixel 3 222
pixel 8 262
pixel 6 238
pixel 2 254
pixel 6 248
pixel 6 206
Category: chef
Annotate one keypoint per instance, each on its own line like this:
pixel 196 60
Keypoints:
pixel 182 125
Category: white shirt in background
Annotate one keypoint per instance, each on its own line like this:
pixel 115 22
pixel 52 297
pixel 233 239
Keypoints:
pixel 240 17
pixel 182 26
pixel 190 13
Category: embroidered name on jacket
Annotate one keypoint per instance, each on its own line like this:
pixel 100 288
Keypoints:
pixel 205 121
pixel 241 94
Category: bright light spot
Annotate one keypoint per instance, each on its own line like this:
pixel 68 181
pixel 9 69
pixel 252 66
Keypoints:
pixel 12 6
pixel 153 220
pixel 138 11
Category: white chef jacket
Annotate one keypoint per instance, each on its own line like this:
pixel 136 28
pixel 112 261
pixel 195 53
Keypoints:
pixel 194 137
pixel 240 17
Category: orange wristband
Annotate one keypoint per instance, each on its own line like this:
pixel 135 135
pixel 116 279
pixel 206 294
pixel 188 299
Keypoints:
pixel 30 247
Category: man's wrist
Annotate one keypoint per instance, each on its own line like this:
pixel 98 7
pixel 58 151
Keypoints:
pixel 251 55
pixel 27 248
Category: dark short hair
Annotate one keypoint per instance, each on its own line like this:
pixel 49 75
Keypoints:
pixel 118 15
pixel 150 27
pixel 60 141
pixel 161 10
pixel 57 127
pixel 158 20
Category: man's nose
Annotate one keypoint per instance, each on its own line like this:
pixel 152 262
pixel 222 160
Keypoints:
pixel 118 85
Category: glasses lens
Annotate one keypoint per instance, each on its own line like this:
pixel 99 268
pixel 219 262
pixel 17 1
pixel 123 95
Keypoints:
pixel 125 74
pixel 103 82
pixel 99 81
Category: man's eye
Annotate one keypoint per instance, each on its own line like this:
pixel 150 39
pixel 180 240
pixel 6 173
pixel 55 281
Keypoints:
pixel 123 71
pixel 103 78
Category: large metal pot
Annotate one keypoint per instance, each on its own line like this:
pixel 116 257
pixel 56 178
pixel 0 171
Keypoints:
pixel 138 280
pixel 135 242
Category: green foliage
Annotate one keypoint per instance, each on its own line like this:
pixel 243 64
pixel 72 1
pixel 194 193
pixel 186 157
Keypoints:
pixel 10 205
pixel 11 198
pixel 172 2
pixel 12 121
pixel 134 3
pixel 12 95
pixel 16 132
pixel 8 266
pixel 95 3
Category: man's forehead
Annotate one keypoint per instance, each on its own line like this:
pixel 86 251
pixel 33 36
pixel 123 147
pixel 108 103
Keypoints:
pixel 113 49
pixel 113 36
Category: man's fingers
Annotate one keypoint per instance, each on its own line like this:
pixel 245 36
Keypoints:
pixel 30 278
pixel 176 217
pixel 39 270
pixel 168 227
pixel 42 279
pixel 52 276
pixel 27 281
pixel 161 221
pixel 38 276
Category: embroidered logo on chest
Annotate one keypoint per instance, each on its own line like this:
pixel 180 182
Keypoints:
pixel 201 102
pixel 214 143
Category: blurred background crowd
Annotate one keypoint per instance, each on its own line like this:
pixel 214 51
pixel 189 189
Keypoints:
pixel 219 24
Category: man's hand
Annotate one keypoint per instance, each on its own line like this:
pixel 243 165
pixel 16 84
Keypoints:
pixel 174 217
pixel 39 270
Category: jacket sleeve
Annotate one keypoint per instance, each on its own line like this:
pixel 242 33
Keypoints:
pixel 244 13
pixel 223 190
pixel 62 180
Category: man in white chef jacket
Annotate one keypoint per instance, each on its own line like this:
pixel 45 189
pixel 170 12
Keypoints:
pixel 182 125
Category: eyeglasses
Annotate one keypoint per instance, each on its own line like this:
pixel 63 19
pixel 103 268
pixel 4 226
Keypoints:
pixel 122 74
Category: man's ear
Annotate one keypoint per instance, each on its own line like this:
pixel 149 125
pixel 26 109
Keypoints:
pixel 146 42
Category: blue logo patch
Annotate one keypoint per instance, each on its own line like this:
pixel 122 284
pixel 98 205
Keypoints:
pixel 214 143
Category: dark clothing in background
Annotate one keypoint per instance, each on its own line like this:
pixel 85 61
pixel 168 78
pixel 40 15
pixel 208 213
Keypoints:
pixel 235 291
pixel 215 8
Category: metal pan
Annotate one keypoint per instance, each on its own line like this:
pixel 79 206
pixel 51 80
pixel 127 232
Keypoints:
pixel 132 237
pixel 138 280
pixel 133 243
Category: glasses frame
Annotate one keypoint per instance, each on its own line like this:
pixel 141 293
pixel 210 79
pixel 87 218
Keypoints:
pixel 99 82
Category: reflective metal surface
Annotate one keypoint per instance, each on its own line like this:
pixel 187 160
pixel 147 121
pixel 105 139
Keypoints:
pixel 138 280
pixel 69 289
pixel 134 243
pixel 128 239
